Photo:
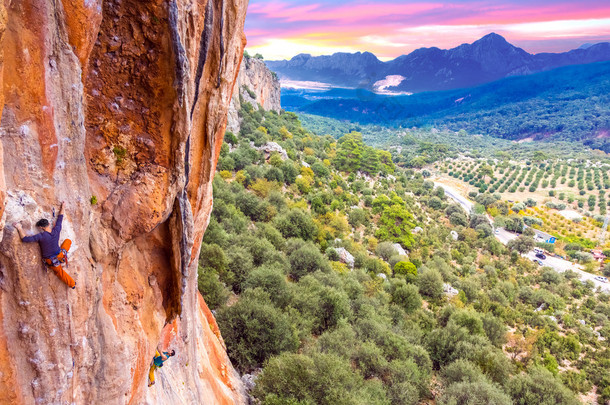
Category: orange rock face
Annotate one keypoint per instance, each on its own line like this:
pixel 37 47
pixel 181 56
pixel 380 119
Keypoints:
pixel 118 108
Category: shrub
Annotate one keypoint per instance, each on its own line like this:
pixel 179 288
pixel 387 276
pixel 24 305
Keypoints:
pixel 484 230
pixel 539 386
pixel 406 296
pixel 296 224
pixel 518 207
pixel 369 359
pixel 270 279
pixel 469 320
pixel 324 379
pixel 458 219
pixel 395 224
pixel 357 217
pixel 431 284
pixel 529 221
pixel 213 256
pixel 435 203
pixel 255 330
pixel 494 329
pixel 397 258
pixel 239 266
pixel 462 371
pixel 211 288
pixel 385 250
pixel 521 244
pixel 305 260
pixel 406 269
pixel 474 393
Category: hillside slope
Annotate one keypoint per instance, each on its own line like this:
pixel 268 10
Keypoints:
pixel 117 108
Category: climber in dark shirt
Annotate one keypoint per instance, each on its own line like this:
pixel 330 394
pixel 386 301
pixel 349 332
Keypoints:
pixel 53 255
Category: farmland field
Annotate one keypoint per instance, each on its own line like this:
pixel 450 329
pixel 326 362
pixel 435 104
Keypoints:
pixel 565 198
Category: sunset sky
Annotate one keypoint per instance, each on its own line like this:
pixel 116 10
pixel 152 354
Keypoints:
pixel 280 29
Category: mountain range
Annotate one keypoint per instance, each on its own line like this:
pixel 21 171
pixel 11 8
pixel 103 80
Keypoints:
pixel 567 103
pixel 429 69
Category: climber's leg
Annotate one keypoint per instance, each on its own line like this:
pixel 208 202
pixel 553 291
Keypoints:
pixel 151 374
pixel 65 245
pixel 63 276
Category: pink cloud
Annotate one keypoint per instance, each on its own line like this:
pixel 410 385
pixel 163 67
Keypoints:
pixel 344 13
pixel 532 14
pixel 388 29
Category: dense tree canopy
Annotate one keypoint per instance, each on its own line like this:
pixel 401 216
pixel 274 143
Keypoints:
pixel 312 294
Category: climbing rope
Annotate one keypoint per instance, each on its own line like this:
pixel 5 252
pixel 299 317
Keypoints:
pixel 72 342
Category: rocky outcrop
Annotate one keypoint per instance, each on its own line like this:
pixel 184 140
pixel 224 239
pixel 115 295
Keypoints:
pixel 118 108
pixel 257 85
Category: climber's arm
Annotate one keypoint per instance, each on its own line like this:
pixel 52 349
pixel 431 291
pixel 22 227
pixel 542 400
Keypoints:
pixel 20 231
pixel 23 236
pixel 161 353
pixel 60 217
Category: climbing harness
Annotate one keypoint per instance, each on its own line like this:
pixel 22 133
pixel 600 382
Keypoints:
pixel 65 252
pixel 55 261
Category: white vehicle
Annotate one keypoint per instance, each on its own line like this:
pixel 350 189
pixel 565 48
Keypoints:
pixel 538 250
pixel 602 279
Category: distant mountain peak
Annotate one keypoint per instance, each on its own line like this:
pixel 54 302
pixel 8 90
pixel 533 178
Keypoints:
pixel 302 56
pixel 492 40
pixel 492 37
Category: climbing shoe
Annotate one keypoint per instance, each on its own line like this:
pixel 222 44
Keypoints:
pixel 74 285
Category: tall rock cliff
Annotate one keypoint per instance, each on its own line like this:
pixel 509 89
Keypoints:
pixel 256 84
pixel 118 108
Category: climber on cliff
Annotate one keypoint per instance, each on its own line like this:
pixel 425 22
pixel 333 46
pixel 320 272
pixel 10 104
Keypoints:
pixel 157 362
pixel 53 255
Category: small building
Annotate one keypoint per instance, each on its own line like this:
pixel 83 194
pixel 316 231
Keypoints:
pixel 543 236
pixel 598 255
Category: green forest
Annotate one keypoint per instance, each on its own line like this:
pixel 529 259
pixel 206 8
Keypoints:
pixel 340 277
pixel 569 103
pixel 417 147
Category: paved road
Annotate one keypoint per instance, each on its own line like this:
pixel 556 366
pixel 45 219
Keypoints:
pixel 560 265
pixel 557 264
pixel 456 196
pixel 505 236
